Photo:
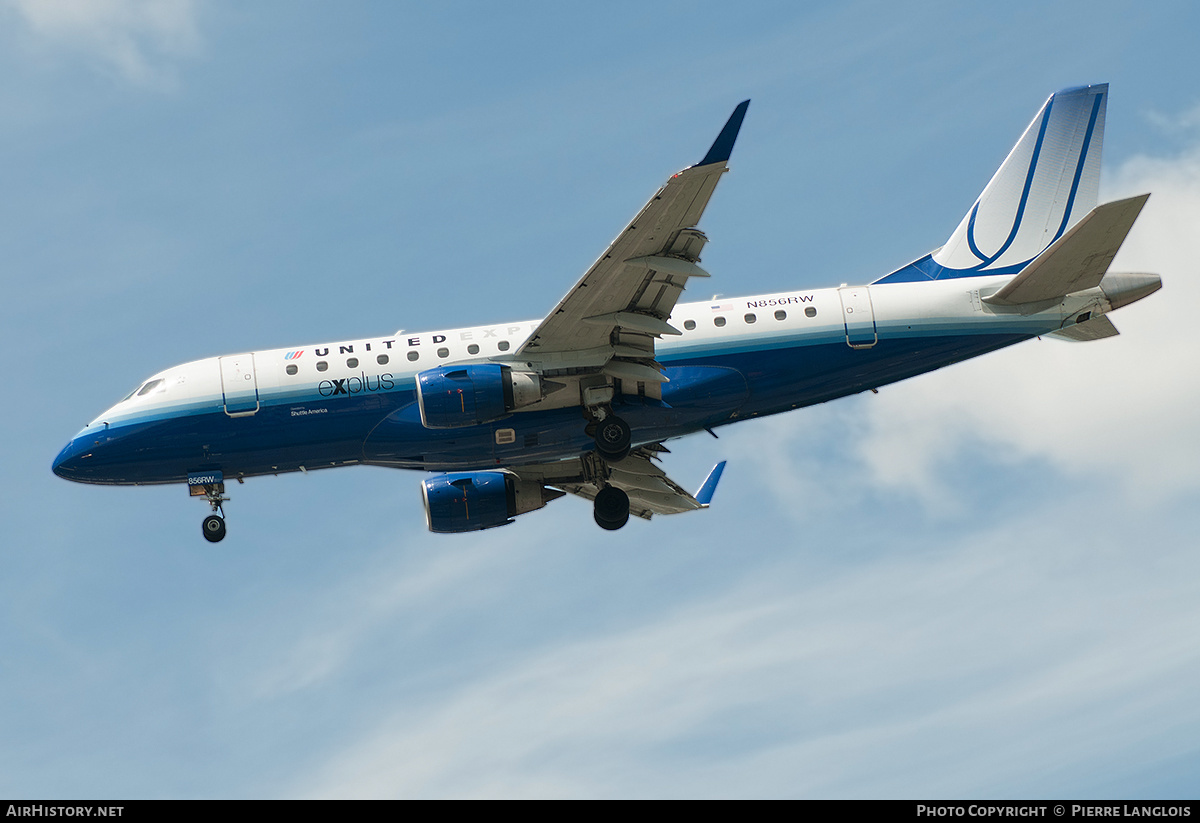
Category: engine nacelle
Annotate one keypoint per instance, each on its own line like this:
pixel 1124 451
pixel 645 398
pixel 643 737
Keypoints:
pixel 471 501
pixel 450 397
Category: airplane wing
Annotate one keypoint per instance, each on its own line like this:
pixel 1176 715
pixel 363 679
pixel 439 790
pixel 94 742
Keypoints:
pixel 610 319
pixel 650 490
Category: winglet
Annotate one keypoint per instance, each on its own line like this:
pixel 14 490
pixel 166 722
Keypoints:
pixel 722 147
pixel 704 496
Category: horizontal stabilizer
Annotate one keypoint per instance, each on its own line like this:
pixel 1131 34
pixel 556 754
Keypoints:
pixel 1097 328
pixel 1077 260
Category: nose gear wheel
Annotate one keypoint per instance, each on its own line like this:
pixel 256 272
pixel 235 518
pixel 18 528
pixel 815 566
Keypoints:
pixel 214 528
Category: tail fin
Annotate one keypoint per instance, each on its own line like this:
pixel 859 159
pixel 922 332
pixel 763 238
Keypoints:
pixel 1045 185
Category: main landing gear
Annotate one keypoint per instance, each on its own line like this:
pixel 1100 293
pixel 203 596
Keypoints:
pixel 611 508
pixel 613 439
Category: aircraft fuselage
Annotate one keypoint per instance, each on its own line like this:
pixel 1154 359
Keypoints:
pixel 353 402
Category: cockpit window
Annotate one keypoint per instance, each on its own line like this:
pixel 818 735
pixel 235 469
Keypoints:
pixel 153 385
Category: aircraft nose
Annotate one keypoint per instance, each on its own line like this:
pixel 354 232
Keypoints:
pixel 67 463
pixel 72 461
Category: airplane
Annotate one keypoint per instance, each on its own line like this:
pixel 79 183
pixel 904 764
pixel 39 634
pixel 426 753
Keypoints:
pixel 512 416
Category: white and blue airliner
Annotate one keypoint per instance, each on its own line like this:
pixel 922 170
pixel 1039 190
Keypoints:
pixel 511 416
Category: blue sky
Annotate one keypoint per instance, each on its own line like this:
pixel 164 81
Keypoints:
pixel 981 582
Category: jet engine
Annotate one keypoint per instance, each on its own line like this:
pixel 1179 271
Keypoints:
pixel 453 396
pixel 471 501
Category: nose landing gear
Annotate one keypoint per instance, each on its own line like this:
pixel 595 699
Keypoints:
pixel 214 524
pixel 211 486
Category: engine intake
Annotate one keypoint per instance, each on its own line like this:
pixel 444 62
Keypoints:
pixel 451 397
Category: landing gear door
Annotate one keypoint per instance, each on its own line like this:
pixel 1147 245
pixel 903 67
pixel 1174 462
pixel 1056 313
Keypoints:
pixel 239 385
pixel 858 316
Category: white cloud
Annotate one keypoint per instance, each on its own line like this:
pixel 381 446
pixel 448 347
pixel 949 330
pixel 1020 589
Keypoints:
pixel 963 672
pixel 139 39
pixel 1186 122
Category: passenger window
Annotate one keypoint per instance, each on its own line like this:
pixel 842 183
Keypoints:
pixel 382 359
pixel 322 365
pixel 780 314
pixel 153 385
pixel 291 369
pixel 718 321
pixel 443 352
pixel 412 355
pixel 473 349
pixel 810 312
pixel 689 324
pixel 750 318
pixel 502 345
pixel 352 362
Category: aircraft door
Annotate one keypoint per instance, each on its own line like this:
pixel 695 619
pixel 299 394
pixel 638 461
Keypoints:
pixel 858 316
pixel 239 385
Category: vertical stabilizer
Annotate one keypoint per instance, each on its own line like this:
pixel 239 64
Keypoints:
pixel 1048 182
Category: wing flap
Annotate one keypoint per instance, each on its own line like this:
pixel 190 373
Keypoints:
pixel 649 488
